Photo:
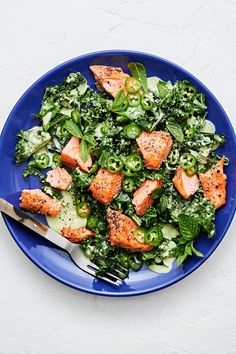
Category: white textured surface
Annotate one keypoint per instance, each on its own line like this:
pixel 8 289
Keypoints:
pixel 39 315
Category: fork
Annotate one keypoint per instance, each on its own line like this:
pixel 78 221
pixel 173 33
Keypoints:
pixel 72 249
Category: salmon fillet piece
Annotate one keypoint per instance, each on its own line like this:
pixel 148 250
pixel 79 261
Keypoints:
pixel 106 186
pixel 121 229
pixel 214 184
pixel 70 156
pixel 142 199
pixel 109 79
pixel 76 235
pixel 59 178
pixel 186 186
pixel 37 201
pixel 154 147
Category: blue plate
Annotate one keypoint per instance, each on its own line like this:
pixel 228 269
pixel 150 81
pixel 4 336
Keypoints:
pixel 56 262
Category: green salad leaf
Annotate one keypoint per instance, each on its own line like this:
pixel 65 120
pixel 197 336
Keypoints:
pixel 189 226
pixel 73 129
pixel 139 72
pixel 175 129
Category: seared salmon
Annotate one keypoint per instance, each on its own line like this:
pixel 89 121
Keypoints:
pixel 121 229
pixel 142 198
pixel 214 184
pixel 76 235
pixel 37 201
pixel 106 186
pixel 154 147
pixel 109 79
pixel 70 156
pixel 186 186
pixel 59 178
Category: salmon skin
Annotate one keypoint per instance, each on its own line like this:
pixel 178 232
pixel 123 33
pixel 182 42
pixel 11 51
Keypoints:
pixel 121 229
pixel 106 186
pixel 70 156
pixel 76 235
pixel 59 178
pixel 214 184
pixel 142 199
pixel 109 79
pixel 154 147
pixel 186 186
pixel 37 201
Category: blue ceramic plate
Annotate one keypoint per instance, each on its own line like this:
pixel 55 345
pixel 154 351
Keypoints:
pixel 56 262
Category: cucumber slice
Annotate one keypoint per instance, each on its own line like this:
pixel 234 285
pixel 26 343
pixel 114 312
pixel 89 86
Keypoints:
pixel 68 215
pixel 164 268
pixel 152 84
pixel 208 127
pixel 169 231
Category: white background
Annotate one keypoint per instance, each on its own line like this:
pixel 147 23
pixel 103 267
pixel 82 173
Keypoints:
pixel 41 316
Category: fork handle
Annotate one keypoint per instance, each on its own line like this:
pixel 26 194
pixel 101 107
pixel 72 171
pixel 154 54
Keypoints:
pixel 35 225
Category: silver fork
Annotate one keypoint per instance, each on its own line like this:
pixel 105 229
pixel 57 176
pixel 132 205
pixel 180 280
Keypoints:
pixel 73 249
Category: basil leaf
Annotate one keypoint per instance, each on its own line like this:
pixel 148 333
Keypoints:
pixel 73 129
pixel 84 152
pixel 180 259
pixel 175 129
pixel 90 139
pixel 139 72
pixel 196 252
pixel 188 249
pixel 119 102
pixel 189 226
pixel 162 88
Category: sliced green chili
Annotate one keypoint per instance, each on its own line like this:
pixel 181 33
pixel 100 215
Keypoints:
pixel 154 236
pixel 146 103
pixel 92 222
pixel 133 99
pixel 57 159
pixel 132 85
pixel 191 171
pixel 132 131
pixel 114 164
pixel 134 162
pixel 187 161
pixel 173 157
pixel 75 116
pixel 128 185
pixel 83 209
pixel 42 160
pixel 135 262
pixel 64 130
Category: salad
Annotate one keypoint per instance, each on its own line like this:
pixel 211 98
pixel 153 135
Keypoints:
pixel 129 172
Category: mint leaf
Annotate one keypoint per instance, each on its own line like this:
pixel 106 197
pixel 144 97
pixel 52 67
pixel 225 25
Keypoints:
pixel 189 226
pixel 120 102
pixel 73 129
pixel 139 72
pixel 196 252
pixel 175 129
pixel 162 88
pixel 84 152
pixel 163 203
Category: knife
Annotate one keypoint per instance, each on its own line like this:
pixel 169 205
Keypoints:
pixel 34 224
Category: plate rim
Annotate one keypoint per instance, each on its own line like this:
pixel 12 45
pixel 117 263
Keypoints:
pixel 8 220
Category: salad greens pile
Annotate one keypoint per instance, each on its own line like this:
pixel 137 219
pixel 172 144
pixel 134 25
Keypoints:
pixel 107 129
